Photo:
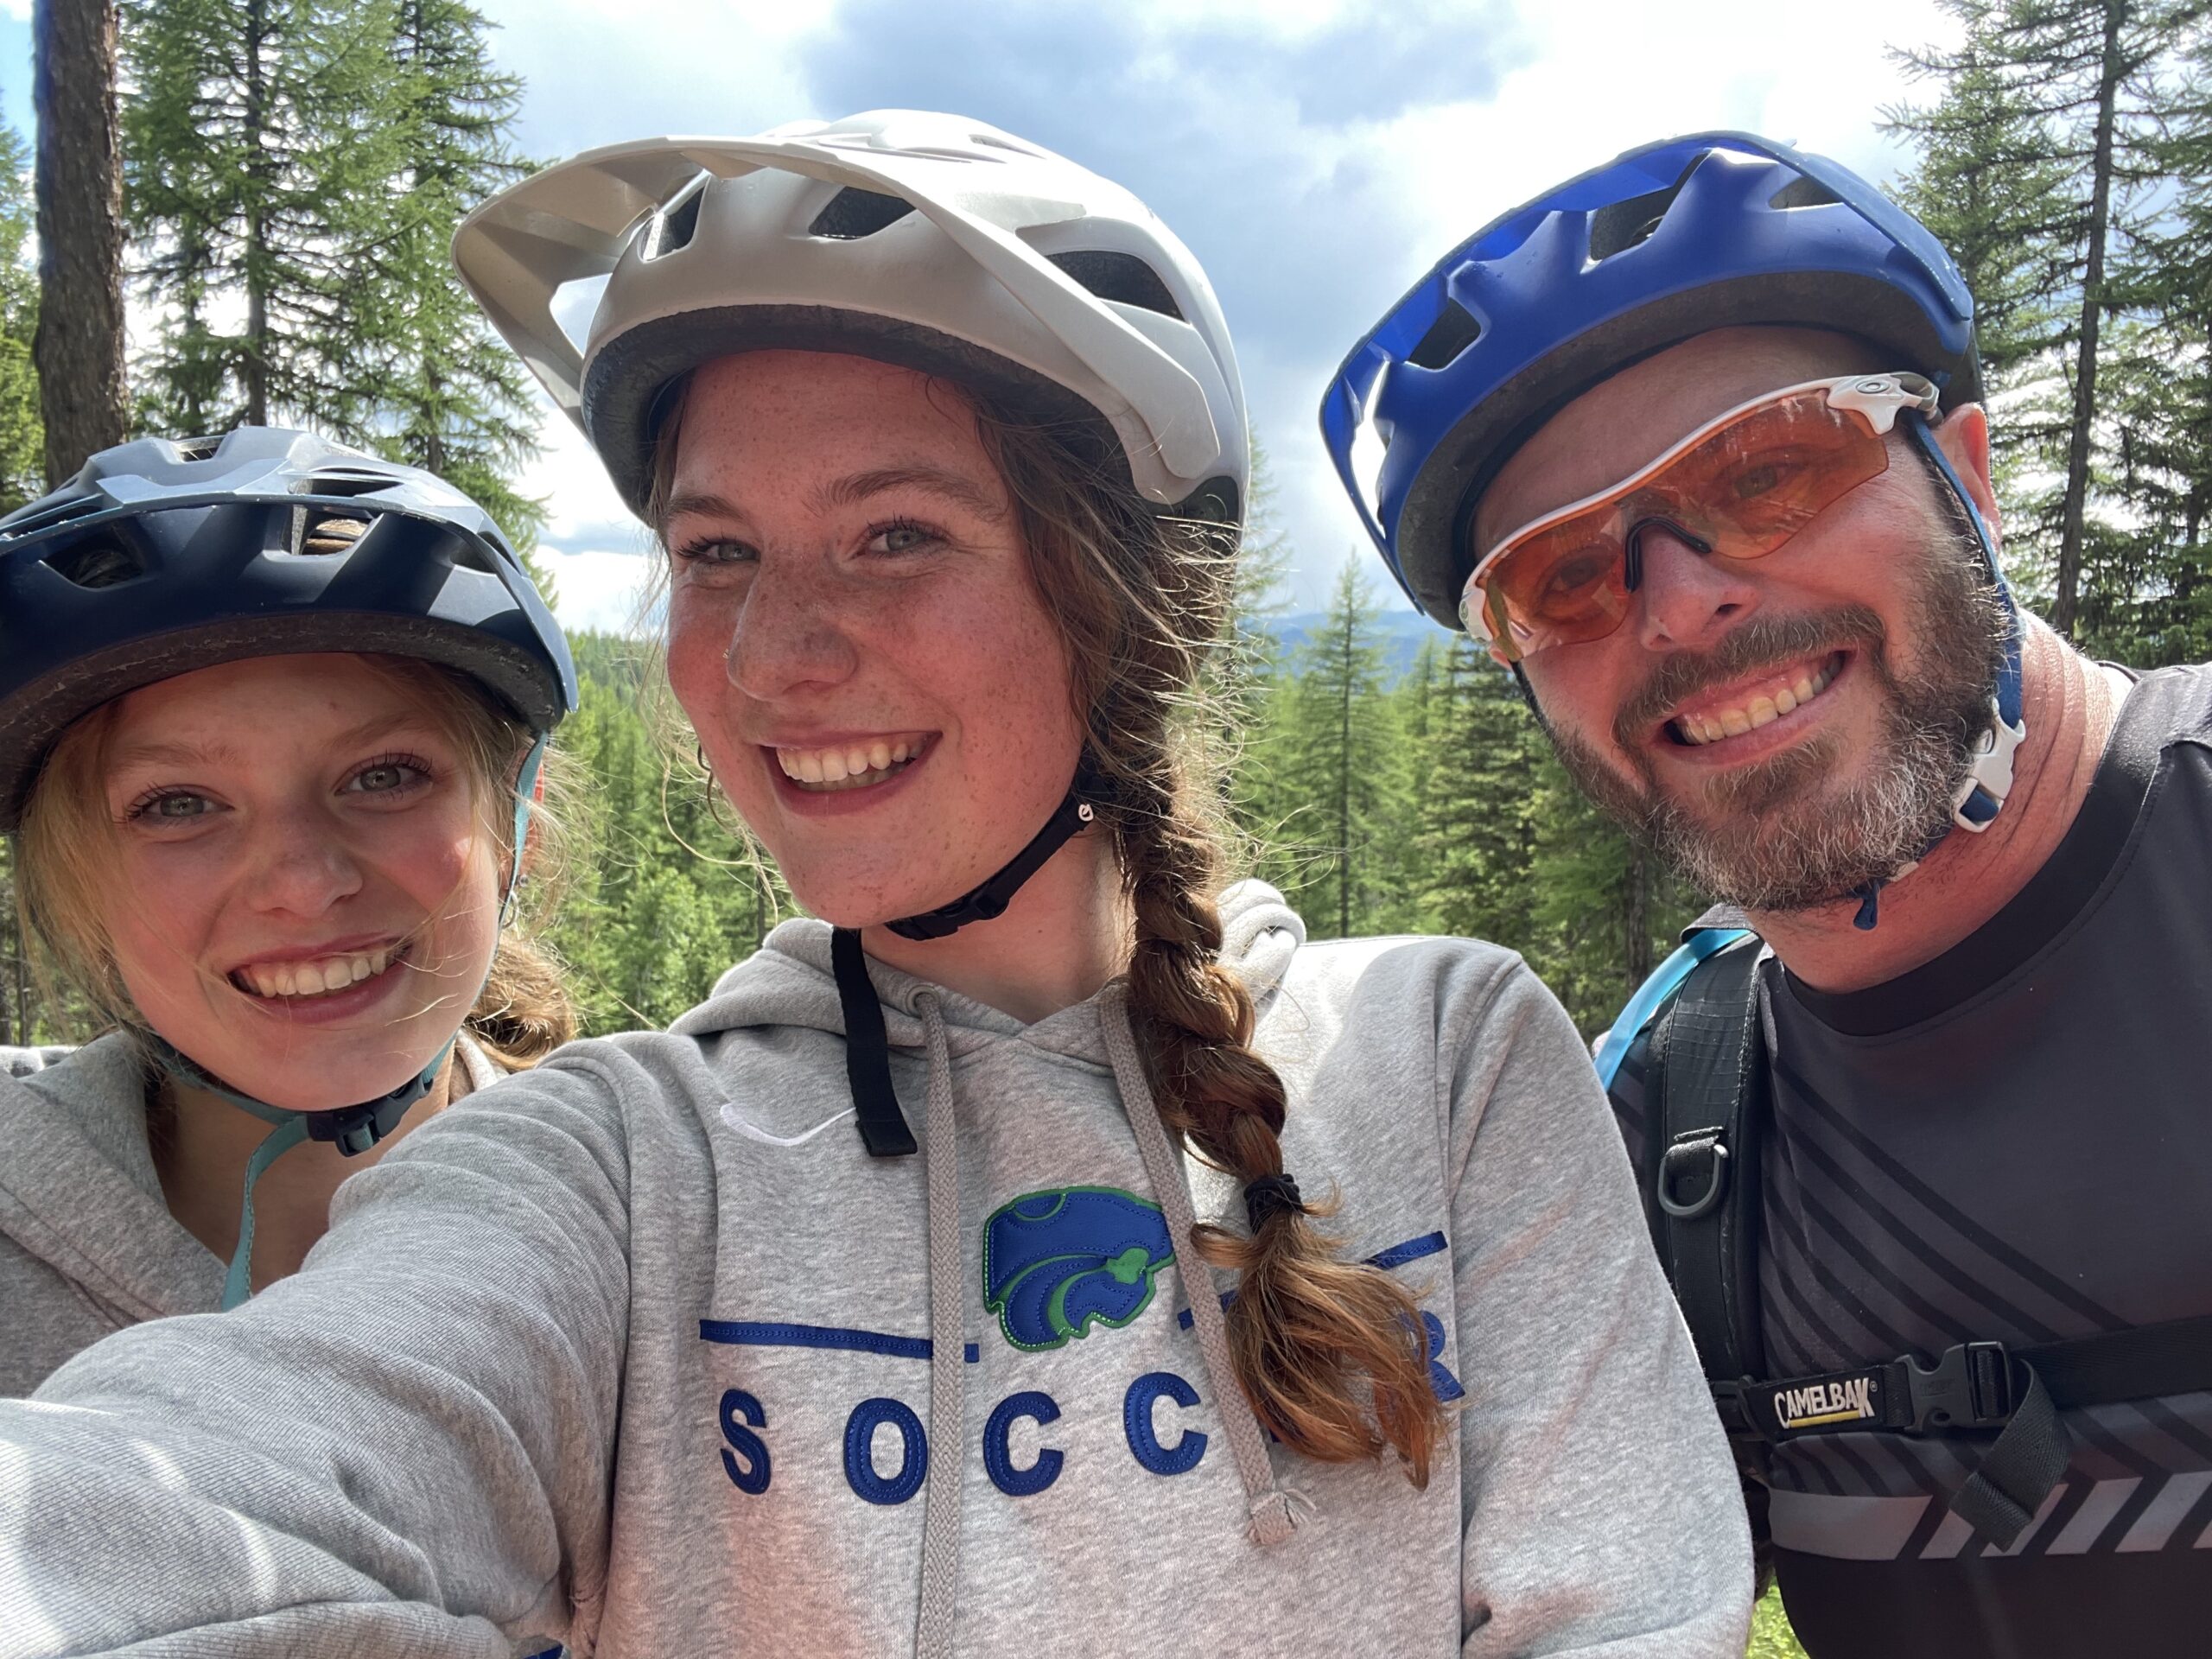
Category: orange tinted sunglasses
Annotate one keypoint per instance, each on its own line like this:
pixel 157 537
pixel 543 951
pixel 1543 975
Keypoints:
pixel 1741 485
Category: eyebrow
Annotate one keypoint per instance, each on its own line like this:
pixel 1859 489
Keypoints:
pixel 223 754
pixel 852 490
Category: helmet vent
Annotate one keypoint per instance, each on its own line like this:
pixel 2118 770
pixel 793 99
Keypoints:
pixel 198 449
pixel 1448 336
pixel 1620 225
pixel 47 518
pixel 96 564
pixel 993 140
pixel 321 535
pixel 854 213
pixel 1801 192
pixel 1121 277
pixel 673 226
pixel 342 483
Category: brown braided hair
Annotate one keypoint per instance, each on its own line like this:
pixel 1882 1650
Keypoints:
pixel 1329 1353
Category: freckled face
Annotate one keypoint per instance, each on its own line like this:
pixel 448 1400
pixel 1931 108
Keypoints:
pixel 303 904
pixel 853 632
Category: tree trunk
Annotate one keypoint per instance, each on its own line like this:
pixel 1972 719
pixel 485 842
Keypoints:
pixel 2110 70
pixel 1635 916
pixel 78 348
pixel 257 230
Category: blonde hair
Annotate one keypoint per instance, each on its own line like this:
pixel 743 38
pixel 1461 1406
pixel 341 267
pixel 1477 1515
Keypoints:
pixel 1329 1353
pixel 65 857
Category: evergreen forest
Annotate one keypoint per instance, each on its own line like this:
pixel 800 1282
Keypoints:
pixel 290 173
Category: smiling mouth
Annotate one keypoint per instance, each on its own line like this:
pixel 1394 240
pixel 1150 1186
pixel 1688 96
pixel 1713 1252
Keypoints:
pixel 849 765
pixel 1767 704
pixel 323 976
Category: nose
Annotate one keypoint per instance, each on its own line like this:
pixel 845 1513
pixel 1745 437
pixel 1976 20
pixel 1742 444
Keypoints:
pixel 1686 598
pixel 787 637
pixel 299 864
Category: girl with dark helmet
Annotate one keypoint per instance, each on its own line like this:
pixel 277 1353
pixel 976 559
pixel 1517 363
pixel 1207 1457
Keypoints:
pixel 1040 1252
pixel 271 715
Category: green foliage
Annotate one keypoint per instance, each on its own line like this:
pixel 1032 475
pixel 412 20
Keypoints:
pixel 294 171
pixel 2061 161
pixel 259 148
pixel 448 395
pixel 663 897
pixel 22 434
pixel 1334 756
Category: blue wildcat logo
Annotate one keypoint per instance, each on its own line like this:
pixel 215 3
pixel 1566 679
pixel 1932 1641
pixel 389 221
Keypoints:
pixel 1058 1261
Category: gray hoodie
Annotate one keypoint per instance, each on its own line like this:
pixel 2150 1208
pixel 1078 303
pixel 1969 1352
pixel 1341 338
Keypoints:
pixel 87 1244
pixel 641 1349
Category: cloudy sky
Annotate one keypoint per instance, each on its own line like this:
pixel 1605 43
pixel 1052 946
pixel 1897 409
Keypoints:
pixel 1317 155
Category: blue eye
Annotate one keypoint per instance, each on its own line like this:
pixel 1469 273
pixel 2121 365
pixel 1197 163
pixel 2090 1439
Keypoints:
pixel 717 550
pixel 388 777
pixel 170 806
pixel 895 539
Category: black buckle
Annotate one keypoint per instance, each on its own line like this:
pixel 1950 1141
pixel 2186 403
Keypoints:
pixel 1701 1157
pixel 1970 1387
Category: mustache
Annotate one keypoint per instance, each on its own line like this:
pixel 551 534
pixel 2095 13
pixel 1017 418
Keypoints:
pixel 1762 642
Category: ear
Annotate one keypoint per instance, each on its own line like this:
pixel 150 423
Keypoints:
pixel 1964 436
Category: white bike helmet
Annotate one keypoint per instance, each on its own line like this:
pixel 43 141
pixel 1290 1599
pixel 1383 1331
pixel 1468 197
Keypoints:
pixel 933 241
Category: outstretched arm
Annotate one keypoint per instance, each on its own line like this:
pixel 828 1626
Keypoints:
pixel 1600 1507
pixel 403 1449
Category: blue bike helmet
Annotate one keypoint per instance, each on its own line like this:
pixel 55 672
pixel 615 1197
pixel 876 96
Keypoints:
pixel 1540 305
pixel 163 555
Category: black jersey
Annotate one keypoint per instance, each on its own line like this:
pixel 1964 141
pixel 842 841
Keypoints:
pixel 2011 1142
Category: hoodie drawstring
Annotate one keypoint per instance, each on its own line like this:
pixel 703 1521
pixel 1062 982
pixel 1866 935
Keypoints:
pixel 1272 1517
pixel 947 1431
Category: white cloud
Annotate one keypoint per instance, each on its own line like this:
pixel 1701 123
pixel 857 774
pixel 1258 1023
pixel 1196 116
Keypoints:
pixel 1318 154
pixel 597 591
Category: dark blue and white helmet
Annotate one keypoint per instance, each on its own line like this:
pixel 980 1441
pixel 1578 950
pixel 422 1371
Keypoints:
pixel 1663 243
pixel 164 555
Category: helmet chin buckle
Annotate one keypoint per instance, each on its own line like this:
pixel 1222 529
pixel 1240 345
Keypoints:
pixel 1989 774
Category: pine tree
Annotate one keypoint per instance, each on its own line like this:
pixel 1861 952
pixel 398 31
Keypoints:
pixel 22 435
pixel 1476 823
pixel 258 147
pixel 1337 749
pixel 2060 105
pixel 1244 678
pixel 449 396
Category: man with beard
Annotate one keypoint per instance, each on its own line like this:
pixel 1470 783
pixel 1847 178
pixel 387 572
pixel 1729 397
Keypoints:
pixel 1693 443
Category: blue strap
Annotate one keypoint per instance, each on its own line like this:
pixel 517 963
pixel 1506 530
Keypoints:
pixel 1656 990
pixel 237 1284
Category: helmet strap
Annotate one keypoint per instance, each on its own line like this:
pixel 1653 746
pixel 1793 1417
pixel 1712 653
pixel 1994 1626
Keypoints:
pixel 1981 794
pixel 988 901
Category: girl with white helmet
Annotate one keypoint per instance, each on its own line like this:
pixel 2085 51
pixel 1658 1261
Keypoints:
pixel 267 708
pixel 1034 1254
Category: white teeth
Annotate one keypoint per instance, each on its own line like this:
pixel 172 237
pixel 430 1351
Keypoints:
pixel 855 767
pixel 313 978
pixel 1768 705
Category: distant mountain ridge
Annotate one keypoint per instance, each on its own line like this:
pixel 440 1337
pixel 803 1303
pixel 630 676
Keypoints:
pixel 1402 633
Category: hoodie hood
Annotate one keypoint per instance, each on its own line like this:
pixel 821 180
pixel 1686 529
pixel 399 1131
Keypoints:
pixel 79 1193
pixel 788 983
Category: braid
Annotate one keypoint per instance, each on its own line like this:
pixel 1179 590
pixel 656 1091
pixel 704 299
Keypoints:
pixel 1330 1354
pixel 1306 1329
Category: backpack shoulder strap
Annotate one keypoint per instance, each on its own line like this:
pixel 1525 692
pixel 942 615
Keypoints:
pixel 1706 1085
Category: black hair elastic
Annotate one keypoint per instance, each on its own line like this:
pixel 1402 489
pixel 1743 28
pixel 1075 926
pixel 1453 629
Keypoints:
pixel 1269 1196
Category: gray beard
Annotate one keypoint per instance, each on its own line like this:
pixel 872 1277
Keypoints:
pixel 1776 835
